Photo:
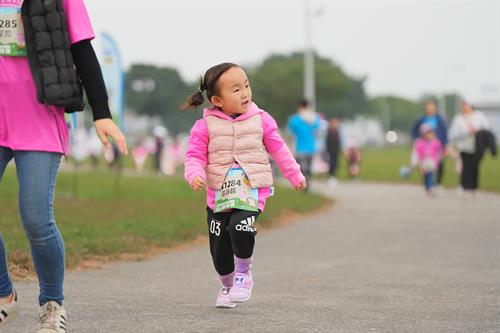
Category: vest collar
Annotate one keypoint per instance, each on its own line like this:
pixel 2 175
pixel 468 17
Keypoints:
pixel 252 111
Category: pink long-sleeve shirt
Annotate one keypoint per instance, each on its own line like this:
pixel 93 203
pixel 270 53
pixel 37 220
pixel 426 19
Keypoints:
pixel 425 149
pixel 196 157
pixel 26 124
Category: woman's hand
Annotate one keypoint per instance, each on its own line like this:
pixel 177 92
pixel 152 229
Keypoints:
pixel 198 183
pixel 301 186
pixel 106 127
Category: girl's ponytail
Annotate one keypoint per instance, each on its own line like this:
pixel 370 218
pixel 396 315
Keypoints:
pixel 195 99
pixel 208 84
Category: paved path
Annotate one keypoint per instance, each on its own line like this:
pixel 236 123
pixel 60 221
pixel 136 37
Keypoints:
pixel 384 259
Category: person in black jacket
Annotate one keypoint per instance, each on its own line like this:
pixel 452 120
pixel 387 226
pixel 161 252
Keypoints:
pixel 333 148
pixel 466 128
pixel 46 62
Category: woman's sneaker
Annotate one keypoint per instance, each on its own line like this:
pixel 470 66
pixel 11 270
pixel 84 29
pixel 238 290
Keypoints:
pixel 223 300
pixel 9 310
pixel 52 318
pixel 242 287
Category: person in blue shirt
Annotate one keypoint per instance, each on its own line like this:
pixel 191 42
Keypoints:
pixel 303 126
pixel 438 125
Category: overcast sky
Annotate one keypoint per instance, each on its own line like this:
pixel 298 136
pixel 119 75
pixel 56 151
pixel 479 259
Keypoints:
pixel 403 47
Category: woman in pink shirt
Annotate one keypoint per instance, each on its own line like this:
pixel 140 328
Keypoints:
pixel 228 155
pixel 46 60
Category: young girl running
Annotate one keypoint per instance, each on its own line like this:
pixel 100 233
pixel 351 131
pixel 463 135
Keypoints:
pixel 228 154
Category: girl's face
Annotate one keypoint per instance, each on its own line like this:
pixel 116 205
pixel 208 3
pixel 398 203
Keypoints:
pixel 234 92
pixel 429 135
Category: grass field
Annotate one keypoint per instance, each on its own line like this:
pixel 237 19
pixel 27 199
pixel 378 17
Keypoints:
pixel 101 214
pixel 383 165
pixel 111 216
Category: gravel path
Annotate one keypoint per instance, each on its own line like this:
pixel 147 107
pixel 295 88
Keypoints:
pixel 385 258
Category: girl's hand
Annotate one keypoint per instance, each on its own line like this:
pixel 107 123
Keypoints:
pixel 198 183
pixel 302 185
pixel 106 127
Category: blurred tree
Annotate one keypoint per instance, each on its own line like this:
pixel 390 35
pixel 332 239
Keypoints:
pixel 277 85
pixel 159 91
pixel 450 102
pixel 396 113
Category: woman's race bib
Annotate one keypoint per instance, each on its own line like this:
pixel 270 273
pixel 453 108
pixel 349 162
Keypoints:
pixel 237 193
pixel 12 40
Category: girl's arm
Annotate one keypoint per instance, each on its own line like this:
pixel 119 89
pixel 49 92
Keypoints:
pixel 277 148
pixel 196 157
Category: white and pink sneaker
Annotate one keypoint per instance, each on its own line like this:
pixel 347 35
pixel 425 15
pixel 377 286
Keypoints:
pixel 242 287
pixel 223 300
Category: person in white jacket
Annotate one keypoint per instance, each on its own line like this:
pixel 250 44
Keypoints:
pixel 462 135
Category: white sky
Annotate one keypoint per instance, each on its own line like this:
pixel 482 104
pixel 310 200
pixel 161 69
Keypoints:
pixel 404 47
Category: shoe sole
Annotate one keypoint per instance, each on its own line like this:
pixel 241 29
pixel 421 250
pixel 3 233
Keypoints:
pixel 226 306
pixel 241 300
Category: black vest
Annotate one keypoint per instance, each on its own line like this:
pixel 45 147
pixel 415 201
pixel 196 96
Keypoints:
pixel 49 55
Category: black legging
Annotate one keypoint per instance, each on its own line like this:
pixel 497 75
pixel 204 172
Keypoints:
pixel 469 178
pixel 230 234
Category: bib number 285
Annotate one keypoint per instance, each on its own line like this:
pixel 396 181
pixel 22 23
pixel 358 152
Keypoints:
pixel 8 23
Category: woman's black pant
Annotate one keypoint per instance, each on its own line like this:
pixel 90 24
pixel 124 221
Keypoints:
pixel 333 162
pixel 470 171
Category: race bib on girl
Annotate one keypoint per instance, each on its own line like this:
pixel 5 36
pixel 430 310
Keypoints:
pixel 12 40
pixel 429 165
pixel 236 192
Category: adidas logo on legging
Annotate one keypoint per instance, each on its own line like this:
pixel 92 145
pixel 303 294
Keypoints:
pixel 246 225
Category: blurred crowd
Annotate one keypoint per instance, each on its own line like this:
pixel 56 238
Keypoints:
pixel 321 144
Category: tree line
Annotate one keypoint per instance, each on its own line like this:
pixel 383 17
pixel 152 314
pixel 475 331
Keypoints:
pixel 277 85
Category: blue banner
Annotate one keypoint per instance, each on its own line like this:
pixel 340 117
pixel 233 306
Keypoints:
pixel 111 66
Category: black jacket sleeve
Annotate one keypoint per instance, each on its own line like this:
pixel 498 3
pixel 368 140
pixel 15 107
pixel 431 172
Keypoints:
pixel 89 71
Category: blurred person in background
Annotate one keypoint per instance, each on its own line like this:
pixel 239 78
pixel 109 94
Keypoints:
pixel 34 134
pixel 438 125
pixel 139 154
pixel 464 131
pixel 333 149
pixel 428 151
pixel 303 126
pixel 353 156
pixel 160 133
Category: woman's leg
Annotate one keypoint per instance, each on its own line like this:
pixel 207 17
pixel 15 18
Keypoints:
pixel 440 171
pixel 37 172
pixel 475 173
pixel 333 162
pixel 5 282
pixel 468 174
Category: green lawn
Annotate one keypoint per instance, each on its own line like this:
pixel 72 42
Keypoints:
pixel 383 165
pixel 113 216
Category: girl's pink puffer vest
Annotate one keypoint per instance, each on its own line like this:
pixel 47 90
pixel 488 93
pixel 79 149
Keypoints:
pixel 240 141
